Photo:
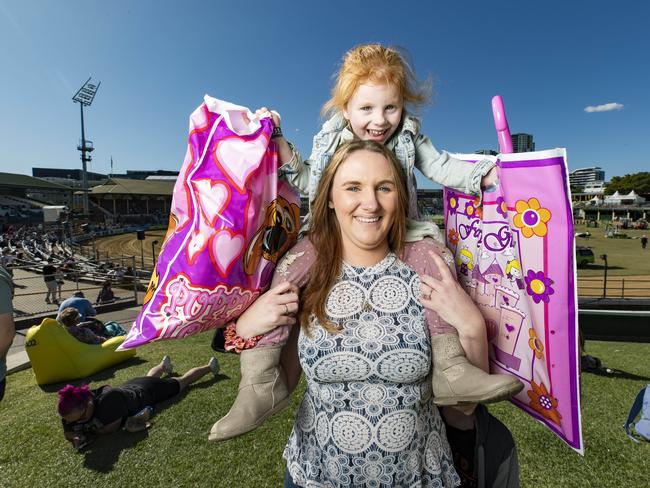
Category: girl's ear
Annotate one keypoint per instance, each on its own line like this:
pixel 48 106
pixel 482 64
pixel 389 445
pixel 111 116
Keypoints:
pixel 345 114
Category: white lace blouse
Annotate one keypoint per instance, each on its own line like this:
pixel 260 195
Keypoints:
pixel 367 418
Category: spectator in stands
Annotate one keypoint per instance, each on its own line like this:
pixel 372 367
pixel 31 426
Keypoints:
pixel 81 303
pixel 69 317
pixel 59 280
pixel 7 329
pixel 106 294
pixel 49 278
pixel 7 260
pixel 119 274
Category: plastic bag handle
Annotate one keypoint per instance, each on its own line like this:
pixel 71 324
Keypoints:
pixel 501 125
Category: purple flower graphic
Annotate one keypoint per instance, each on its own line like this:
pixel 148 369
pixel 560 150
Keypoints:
pixel 452 202
pixel 502 208
pixel 538 286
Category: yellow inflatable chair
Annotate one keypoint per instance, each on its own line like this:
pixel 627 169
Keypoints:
pixel 57 356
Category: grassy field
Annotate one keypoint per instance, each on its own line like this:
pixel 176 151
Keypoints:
pixel 175 451
pixel 624 256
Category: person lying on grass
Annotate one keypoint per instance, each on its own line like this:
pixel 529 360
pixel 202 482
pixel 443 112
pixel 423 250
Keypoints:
pixel 86 413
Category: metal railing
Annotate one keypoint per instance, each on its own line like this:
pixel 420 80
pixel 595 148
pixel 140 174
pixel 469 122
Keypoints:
pixel 614 287
pixel 31 293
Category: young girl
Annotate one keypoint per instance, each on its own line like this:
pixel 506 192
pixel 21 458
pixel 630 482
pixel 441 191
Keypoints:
pixel 373 87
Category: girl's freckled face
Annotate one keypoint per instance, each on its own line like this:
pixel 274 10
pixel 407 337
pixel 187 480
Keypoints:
pixel 374 111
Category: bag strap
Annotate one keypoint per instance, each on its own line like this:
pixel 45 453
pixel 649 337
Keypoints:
pixel 635 410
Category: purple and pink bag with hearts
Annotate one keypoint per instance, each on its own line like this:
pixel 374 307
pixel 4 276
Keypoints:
pixel 231 219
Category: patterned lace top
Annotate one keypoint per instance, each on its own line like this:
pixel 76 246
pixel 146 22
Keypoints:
pixel 367 418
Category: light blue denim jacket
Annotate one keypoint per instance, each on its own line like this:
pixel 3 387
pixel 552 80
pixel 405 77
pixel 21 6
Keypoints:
pixel 413 150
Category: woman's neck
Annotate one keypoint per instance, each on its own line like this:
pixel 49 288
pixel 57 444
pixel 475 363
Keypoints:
pixel 365 258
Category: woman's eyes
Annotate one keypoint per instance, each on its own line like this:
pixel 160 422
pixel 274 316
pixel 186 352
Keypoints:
pixel 385 189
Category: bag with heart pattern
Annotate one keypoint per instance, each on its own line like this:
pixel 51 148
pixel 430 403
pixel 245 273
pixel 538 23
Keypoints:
pixel 231 219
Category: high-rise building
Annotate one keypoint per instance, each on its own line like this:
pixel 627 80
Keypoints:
pixel 522 143
pixel 582 176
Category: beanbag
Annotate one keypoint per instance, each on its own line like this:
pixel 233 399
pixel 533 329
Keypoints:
pixel 57 356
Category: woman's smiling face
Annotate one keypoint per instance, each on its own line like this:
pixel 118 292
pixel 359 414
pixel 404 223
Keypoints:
pixel 364 199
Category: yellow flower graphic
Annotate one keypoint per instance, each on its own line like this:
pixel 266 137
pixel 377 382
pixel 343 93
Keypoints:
pixel 535 344
pixel 531 218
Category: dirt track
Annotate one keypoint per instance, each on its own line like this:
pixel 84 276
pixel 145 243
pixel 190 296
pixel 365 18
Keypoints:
pixel 129 245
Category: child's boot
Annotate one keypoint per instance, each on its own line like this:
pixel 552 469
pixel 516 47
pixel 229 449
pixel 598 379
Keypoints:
pixel 262 393
pixel 456 381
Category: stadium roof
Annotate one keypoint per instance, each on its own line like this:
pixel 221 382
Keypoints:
pixel 124 186
pixel 14 180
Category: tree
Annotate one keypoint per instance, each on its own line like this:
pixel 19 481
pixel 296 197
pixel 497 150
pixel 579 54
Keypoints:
pixel 639 182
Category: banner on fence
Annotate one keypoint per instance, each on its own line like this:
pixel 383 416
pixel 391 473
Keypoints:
pixel 514 255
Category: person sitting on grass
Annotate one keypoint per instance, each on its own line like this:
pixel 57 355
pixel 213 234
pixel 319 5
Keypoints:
pixel 70 318
pixel 86 413
pixel 106 294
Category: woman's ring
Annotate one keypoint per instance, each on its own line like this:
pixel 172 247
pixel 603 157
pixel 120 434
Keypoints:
pixel 286 309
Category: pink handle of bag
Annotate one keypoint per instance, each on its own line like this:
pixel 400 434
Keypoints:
pixel 501 124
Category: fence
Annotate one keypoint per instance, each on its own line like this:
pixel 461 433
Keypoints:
pixel 614 287
pixel 31 293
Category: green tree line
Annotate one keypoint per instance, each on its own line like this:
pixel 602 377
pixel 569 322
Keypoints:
pixel 639 182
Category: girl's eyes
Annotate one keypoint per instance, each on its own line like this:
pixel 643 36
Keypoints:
pixel 366 109
pixel 391 108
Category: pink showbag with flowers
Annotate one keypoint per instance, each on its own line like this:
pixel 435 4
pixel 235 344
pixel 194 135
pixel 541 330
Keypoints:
pixel 515 257
pixel 231 220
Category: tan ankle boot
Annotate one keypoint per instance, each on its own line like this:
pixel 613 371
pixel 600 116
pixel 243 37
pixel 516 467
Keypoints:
pixel 262 393
pixel 456 381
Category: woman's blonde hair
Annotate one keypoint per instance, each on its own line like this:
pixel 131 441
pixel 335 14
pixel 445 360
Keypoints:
pixel 378 64
pixel 325 233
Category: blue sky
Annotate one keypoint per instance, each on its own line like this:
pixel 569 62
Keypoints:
pixel 156 59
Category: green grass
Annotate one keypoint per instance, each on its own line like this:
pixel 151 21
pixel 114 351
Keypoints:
pixel 624 256
pixel 175 451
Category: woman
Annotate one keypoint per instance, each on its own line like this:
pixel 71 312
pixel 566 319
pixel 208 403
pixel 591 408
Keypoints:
pixel 367 418
pixel 106 294
pixel 85 412
pixel 71 319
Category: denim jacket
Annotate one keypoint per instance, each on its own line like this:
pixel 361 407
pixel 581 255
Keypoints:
pixel 413 150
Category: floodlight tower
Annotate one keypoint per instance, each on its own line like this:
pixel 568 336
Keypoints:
pixel 85 96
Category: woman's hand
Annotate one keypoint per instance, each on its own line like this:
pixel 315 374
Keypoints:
pixel 446 297
pixel 274 308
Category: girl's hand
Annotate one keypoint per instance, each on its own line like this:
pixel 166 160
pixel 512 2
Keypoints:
pixel 274 308
pixel 490 180
pixel 274 115
pixel 446 297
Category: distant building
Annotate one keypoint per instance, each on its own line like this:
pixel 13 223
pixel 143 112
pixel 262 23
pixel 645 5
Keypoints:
pixel 583 176
pixel 486 152
pixel 595 188
pixel 143 175
pixel 522 143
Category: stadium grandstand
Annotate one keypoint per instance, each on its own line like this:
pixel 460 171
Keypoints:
pixel 23 197
pixel 129 201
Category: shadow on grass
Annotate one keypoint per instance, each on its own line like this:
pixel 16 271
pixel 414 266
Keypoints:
pixel 103 453
pixel 601 266
pixel 615 373
pixel 104 375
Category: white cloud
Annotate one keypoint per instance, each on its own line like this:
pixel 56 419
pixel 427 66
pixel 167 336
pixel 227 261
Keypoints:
pixel 606 107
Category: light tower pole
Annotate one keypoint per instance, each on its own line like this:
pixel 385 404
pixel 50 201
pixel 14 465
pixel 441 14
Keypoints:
pixel 85 96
